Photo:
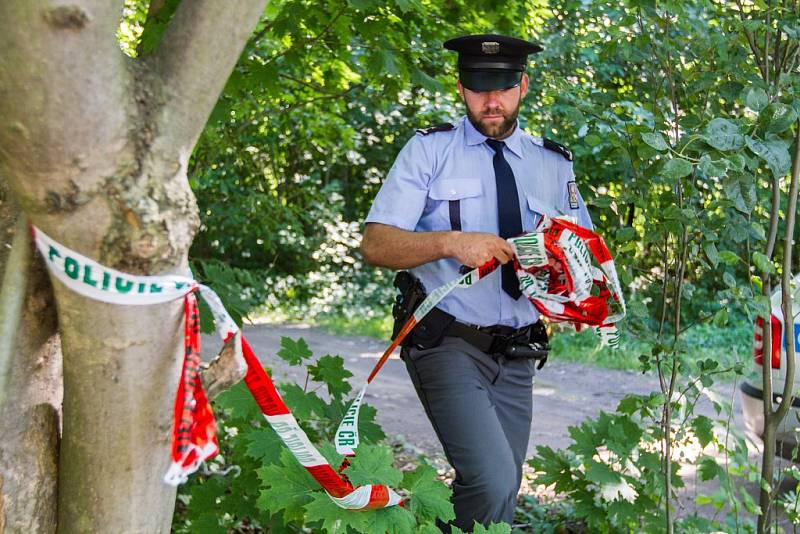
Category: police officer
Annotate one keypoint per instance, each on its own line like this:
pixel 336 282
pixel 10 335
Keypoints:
pixel 453 195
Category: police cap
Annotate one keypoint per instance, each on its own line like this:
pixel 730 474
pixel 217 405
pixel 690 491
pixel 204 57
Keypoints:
pixel 490 62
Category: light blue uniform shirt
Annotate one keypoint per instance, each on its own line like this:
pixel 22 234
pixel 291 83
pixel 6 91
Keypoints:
pixel 431 170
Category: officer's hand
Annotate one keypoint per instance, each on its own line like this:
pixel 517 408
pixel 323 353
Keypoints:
pixel 476 248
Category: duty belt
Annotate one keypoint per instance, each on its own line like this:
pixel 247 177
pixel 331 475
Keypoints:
pixel 528 342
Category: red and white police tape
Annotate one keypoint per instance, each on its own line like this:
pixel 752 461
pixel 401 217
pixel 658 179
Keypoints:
pixel 553 264
pixel 194 431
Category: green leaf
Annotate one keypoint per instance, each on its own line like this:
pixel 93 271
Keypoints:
pixel 729 257
pixel 263 444
pixel 362 5
pixel 392 520
pixel 334 520
pixel 720 318
pixel 655 140
pixel 756 99
pixel 704 429
pixel 600 473
pixel 494 528
pixel 626 233
pixel 287 487
pixel 208 522
pixel 302 404
pixel 724 135
pixel 373 464
pixel 368 430
pixel 603 202
pixel 711 253
pixel 592 139
pixel 703 499
pixel 330 370
pixel 763 263
pixel 293 351
pixel 677 168
pixel 774 153
pixel 389 61
pixel 430 83
pixel 777 117
pixel 714 168
pixel 708 469
pixel 431 528
pixel 238 401
pixel 728 279
pixel 430 498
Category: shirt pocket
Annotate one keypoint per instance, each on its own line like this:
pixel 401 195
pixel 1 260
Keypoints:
pixel 536 209
pixel 466 192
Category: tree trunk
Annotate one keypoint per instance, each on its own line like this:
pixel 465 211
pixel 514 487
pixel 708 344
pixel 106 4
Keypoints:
pixel 30 415
pixel 95 148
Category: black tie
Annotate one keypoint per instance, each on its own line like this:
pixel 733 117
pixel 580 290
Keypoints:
pixel 508 216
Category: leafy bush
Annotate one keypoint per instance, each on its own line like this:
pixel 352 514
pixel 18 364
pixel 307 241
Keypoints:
pixel 267 488
pixel 611 476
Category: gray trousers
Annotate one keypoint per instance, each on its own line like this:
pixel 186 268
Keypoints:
pixel 481 411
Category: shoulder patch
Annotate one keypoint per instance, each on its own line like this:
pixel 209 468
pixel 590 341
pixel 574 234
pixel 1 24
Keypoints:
pixel 556 147
pixel 443 127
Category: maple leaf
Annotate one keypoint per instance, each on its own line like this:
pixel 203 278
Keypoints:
pixel 208 522
pixel 239 402
pixel 205 491
pixel 429 498
pixel 392 520
pixel 287 487
pixel 494 528
pixel 431 528
pixel 328 451
pixel 335 520
pixel 368 429
pixel 293 351
pixel 263 444
pixel 330 370
pixel 373 464
pixel 301 403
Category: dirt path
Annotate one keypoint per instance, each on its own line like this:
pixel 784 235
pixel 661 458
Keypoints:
pixel 564 393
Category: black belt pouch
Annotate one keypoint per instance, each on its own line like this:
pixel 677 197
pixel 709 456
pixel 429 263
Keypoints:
pixel 430 331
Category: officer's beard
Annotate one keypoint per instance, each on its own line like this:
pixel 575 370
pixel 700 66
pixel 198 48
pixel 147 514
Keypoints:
pixel 491 129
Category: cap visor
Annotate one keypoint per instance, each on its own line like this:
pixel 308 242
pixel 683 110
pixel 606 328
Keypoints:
pixel 489 80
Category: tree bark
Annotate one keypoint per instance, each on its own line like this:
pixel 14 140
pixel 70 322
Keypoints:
pixel 30 415
pixel 95 147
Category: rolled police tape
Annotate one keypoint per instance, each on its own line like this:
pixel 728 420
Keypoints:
pixel 554 267
pixel 194 428
pixel 555 270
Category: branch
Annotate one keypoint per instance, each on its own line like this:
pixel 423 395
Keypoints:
pixel 12 298
pixel 752 42
pixel 196 56
pixel 226 369
pixel 786 288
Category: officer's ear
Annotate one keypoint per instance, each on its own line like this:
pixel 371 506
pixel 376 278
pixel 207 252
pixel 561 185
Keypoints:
pixel 523 86
pixel 460 90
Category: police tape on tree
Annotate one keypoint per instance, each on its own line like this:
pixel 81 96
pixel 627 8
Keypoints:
pixel 556 269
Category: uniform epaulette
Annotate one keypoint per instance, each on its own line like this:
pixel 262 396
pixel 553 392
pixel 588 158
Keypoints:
pixel 443 127
pixel 556 147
